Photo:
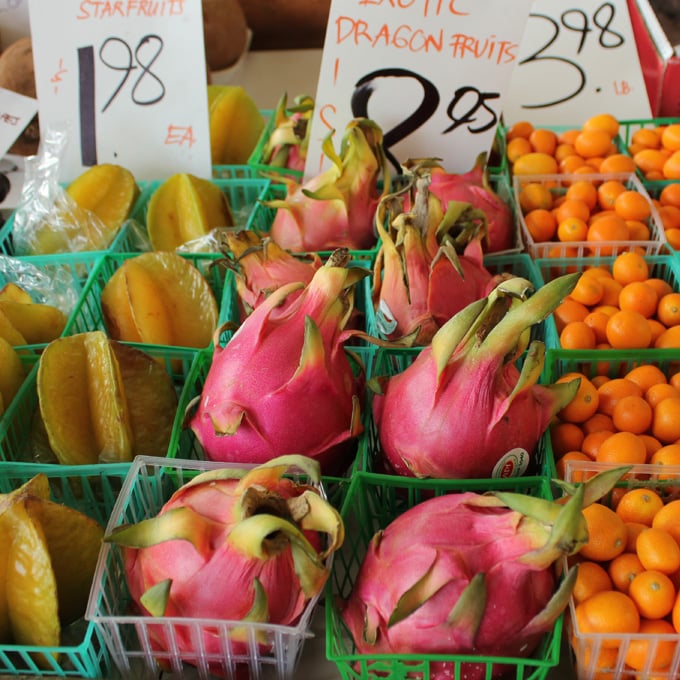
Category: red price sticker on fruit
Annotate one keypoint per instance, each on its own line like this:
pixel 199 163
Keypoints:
pixel 431 73
pixel 16 112
pixel 127 79
pixel 577 59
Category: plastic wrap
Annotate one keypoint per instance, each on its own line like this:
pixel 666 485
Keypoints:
pixel 48 220
pixel 53 284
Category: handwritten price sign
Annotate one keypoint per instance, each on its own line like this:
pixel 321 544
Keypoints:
pixel 431 73
pixel 128 81
pixel 16 112
pixel 577 59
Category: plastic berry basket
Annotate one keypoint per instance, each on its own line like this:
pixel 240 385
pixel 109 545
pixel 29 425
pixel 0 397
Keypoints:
pixel 666 267
pixel 517 264
pixel 273 651
pixel 372 502
pixel 22 440
pixel 612 363
pixel 93 490
pixel 392 361
pixel 88 314
pixel 242 194
pixel 655 245
pixel 125 239
pixel 185 445
pixel 591 653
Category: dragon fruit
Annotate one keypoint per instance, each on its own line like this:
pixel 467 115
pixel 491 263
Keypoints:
pixel 475 188
pixel 463 404
pixel 234 545
pixel 335 208
pixel 288 143
pixel 424 256
pixel 261 266
pixel 468 574
pixel 284 384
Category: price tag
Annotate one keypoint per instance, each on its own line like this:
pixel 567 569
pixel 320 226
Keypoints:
pixel 13 21
pixel 431 73
pixel 128 79
pixel 16 112
pixel 577 59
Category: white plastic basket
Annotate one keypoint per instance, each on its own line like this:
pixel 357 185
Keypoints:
pixel 558 185
pixel 272 651
pixel 591 652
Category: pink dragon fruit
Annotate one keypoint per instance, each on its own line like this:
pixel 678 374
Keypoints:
pixel 284 384
pixel 462 405
pixel 424 256
pixel 475 188
pixel 288 143
pixel 261 266
pixel 468 574
pixel 336 208
pixel 232 545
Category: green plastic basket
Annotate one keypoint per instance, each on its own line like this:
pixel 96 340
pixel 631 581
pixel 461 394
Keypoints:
pixel 626 130
pixel 392 361
pixel 57 280
pixel 22 442
pixel 88 314
pixel 237 172
pixel 666 267
pixel 242 195
pixel 372 502
pixel 558 184
pixel 273 651
pixel 93 490
pixel 185 445
pixel 612 363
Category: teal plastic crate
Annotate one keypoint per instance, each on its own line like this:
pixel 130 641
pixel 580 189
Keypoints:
pixel 611 363
pixel 273 650
pixel 23 441
pixel 517 264
pixel 88 314
pixel 372 502
pixel 392 361
pixel 666 267
pixel 92 490
pixel 57 280
pixel 242 194
pixel 627 129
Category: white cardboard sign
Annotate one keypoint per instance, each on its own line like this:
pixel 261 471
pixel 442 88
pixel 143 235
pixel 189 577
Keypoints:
pixel 577 59
pixel 127 78
pixel 16 112
pixel 432 73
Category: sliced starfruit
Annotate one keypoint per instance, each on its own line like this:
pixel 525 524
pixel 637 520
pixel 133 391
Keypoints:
pixel 13 291
pixel 151 398
pixel 73 542
pixel 236 124
pixel 159 298
pixel 184 208
pixel 9 332
pixel 96 205
pixel 37 322
pixel 48 556
pixel 100 403
pixel 31 586
pixel 12 372
pixel 108 190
